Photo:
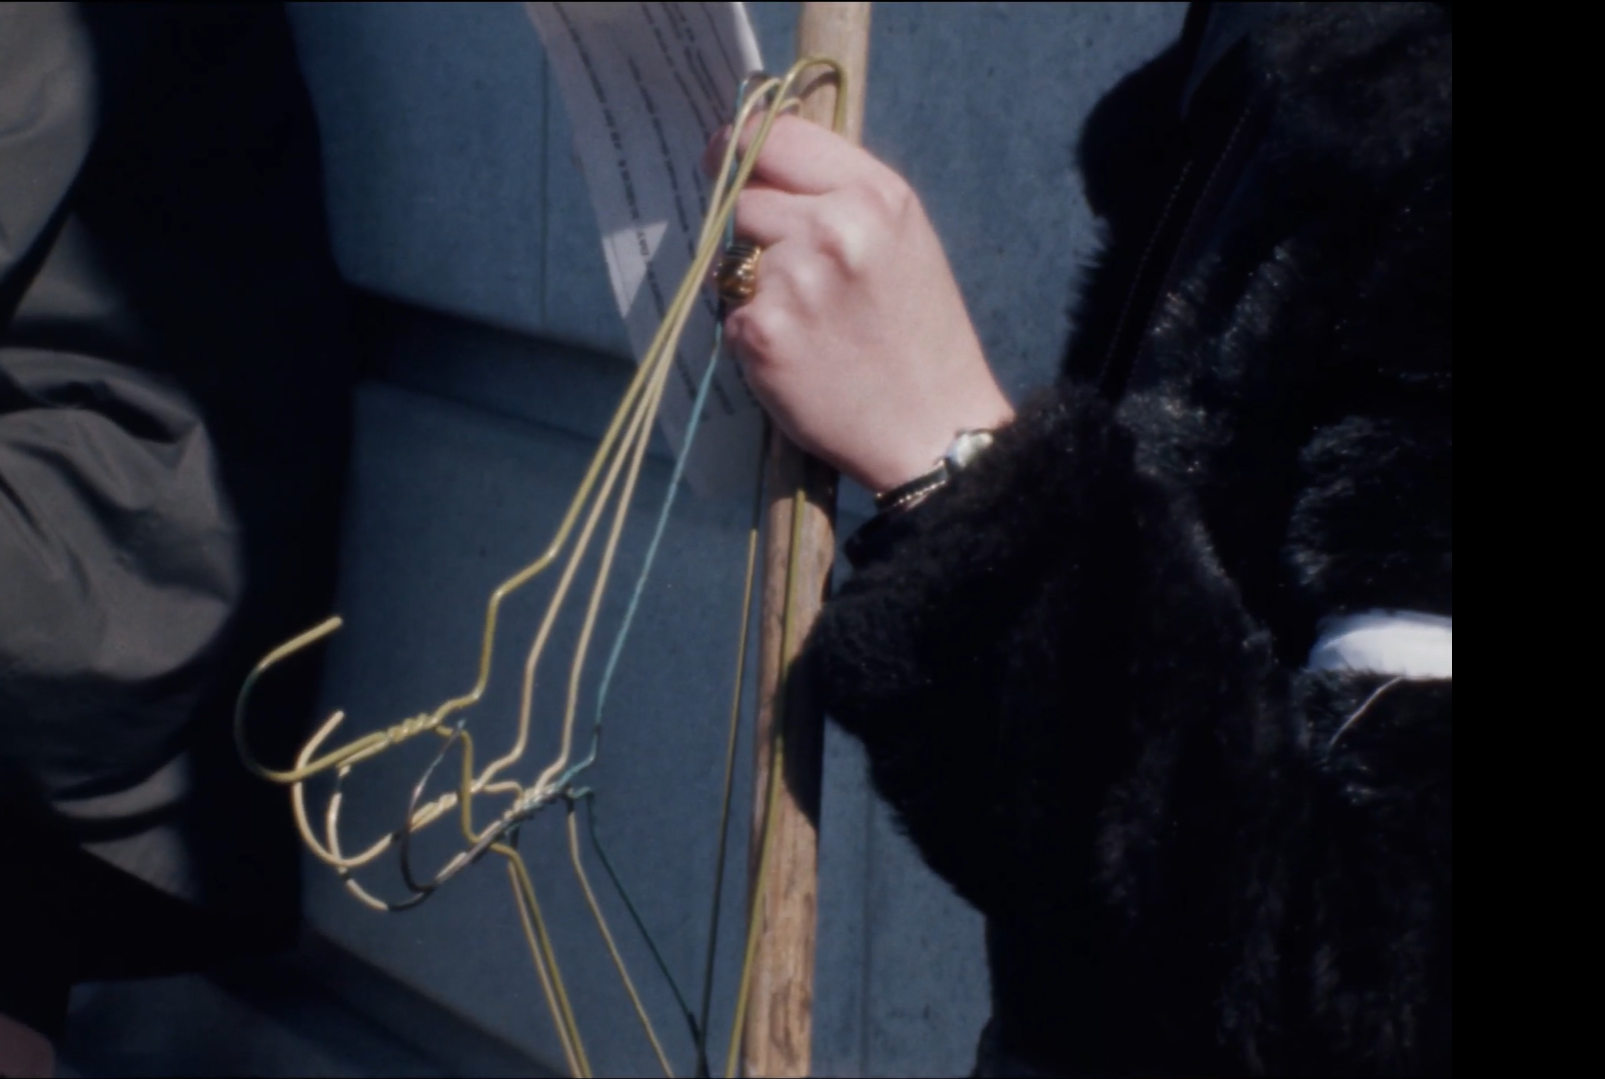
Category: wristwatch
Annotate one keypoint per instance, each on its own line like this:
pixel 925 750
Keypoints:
pixel 961 453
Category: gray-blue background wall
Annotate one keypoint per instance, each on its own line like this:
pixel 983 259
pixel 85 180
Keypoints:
pixel 453 195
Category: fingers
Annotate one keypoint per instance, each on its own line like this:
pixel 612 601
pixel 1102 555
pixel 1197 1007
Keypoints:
pixel 766 215
pixel 800 157
pixel 754 329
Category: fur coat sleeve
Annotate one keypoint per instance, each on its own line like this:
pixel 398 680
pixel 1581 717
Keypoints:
pixel 1080 670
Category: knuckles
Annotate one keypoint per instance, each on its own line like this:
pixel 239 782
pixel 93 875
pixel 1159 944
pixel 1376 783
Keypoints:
pixel 857 222
pixel 828 248
pixel 838 236
pixel 757 331
pixel 891 196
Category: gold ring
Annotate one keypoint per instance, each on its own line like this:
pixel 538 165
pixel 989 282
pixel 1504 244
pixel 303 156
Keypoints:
pixel 737 276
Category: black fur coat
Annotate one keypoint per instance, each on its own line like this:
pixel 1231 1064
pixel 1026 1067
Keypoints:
pixel 1079 671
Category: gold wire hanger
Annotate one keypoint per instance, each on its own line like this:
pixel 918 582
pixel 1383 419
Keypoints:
pixel 614 467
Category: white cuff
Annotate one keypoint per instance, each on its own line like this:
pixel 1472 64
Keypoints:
pixel 1406 644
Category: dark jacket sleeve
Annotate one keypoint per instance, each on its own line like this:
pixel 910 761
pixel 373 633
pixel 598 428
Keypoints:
pixel 917 650
pixel 118 569
pixel 1079 672
pixel 119 560
pixel 1083 729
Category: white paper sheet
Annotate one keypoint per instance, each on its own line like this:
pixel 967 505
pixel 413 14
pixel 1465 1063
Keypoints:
pixel 646 85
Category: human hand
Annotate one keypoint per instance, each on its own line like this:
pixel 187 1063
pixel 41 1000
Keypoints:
pixel 856 340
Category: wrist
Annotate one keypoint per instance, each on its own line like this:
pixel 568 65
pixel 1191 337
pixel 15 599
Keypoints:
pixel 966 447
pixel 919 457
pixel 898 507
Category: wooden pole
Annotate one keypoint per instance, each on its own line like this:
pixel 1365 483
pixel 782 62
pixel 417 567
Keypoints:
pixel 779 1026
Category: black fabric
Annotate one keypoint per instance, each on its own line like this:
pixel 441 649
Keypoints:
pixel 174 412
pixel 1078 670
pixel 71 917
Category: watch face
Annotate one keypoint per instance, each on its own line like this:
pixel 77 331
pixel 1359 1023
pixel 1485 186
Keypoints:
pixel 967 447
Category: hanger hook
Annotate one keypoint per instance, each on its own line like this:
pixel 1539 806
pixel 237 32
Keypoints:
pixel 360 749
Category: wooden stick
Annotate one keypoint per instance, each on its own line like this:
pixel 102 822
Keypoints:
pixel 779 1027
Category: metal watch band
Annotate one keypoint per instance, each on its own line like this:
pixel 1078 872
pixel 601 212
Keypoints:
pixel 914 489
pixel 965 448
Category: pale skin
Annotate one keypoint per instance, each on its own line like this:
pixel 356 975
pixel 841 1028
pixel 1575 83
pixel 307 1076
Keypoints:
pixel 857 340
